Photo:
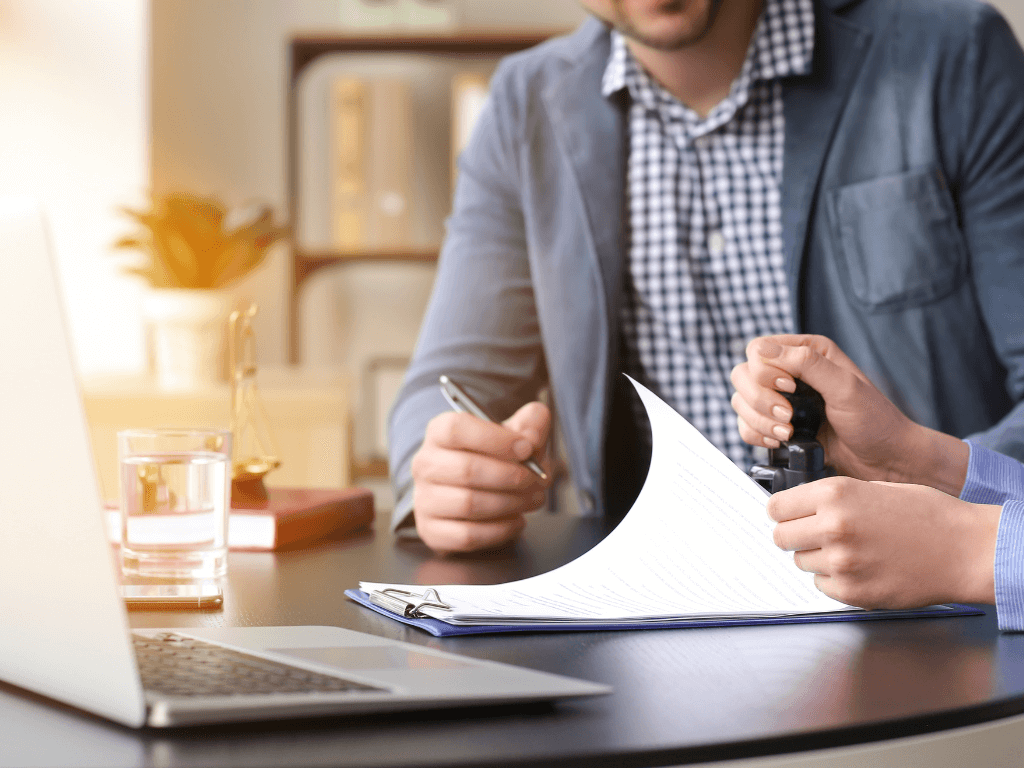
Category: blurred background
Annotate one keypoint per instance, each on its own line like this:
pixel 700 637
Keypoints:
pixel 341 116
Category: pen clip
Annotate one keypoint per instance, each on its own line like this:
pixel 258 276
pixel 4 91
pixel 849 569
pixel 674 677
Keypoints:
pixel 451 400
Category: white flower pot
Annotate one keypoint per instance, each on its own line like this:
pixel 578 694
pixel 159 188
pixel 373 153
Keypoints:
pixel 187 330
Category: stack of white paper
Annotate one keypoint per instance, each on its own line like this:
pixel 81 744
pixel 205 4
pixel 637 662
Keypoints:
pixel 696 545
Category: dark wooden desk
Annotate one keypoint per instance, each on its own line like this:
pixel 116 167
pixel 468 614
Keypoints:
pixel 680 695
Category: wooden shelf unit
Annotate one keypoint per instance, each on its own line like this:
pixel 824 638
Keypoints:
pixel 305 50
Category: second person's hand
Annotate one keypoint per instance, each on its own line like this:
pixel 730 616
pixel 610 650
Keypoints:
pixel 888 545
pixel 471 490
pixel 864 436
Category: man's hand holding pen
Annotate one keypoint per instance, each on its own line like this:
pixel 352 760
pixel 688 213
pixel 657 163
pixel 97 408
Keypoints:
pixel 472 488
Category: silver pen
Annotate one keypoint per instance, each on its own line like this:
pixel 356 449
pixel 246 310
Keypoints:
pixel 463 403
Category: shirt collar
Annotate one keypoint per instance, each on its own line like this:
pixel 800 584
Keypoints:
pixel 784 41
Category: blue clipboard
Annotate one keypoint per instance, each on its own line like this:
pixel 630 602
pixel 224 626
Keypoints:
pixel 442 629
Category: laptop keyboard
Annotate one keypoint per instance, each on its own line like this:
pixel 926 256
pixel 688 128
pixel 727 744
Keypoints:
pixel 175 665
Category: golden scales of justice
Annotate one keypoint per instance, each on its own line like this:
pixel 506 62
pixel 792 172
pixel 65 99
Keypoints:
pixel 253 454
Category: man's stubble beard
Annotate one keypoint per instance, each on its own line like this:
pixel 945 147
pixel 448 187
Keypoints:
pixel 683 40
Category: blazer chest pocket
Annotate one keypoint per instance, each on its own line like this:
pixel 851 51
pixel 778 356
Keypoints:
pixel 898 241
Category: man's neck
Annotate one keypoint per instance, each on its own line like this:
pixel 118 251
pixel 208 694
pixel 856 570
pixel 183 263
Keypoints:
pixel 701 74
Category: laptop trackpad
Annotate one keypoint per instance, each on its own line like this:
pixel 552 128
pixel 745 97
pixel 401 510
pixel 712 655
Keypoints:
pixel 372 657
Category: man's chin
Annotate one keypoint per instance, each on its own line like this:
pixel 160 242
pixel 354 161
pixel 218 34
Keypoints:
pixel 675 25
pixel 666 42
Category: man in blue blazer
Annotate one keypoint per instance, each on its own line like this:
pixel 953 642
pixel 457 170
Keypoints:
pixel 676 178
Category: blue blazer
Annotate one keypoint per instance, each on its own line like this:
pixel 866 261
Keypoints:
pixel 903 229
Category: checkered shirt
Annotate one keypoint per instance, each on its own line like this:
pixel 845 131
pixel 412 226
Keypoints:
pixel 705 268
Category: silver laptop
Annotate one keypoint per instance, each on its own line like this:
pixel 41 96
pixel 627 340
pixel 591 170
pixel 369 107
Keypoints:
pixel 65 632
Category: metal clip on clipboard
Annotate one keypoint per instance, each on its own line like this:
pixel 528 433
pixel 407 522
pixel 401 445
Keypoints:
pixel 398 601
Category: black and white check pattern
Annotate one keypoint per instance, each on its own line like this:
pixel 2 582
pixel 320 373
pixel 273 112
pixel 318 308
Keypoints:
pixel 705 268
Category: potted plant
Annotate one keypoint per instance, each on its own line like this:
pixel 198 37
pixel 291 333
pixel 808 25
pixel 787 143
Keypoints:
pixel 192 255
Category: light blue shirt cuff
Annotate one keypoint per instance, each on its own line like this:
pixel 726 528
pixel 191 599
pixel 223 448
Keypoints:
pixel 1009 567
pixel 992 477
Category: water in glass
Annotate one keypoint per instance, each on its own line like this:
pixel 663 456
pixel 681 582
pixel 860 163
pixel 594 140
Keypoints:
pixel 174 515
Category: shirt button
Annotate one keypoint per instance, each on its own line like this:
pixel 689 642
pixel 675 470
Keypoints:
pixel 716 244
pixel 739 347
pixel 702 142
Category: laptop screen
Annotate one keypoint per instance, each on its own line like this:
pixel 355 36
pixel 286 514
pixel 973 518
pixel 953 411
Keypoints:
pixel 64 630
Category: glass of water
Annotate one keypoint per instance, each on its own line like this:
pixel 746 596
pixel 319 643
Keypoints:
pixel 175 494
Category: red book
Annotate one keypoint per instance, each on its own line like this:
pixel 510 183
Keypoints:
pixel 289 517
pixel 294 515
